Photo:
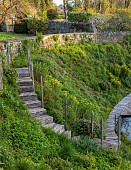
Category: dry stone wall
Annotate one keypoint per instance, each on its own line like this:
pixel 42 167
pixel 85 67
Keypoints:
pixel 113 37
pixel 54 40
pixel 123 108
pixel 1 75
pixel 55 27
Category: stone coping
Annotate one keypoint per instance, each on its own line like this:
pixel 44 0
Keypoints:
pixel 123 108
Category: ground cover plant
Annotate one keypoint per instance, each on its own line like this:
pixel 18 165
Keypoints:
pixel 11 35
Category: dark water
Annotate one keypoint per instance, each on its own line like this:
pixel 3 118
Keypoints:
pixel 126 126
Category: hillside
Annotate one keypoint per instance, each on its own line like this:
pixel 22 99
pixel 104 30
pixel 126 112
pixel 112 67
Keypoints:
pixel 92 77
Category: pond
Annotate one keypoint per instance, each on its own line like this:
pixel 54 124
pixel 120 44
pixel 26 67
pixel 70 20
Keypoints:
pixel 126 126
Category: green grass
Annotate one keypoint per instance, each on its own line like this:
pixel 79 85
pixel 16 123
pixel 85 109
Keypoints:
pixel 11 35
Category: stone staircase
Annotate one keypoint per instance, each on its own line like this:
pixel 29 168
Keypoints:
pixel 29 97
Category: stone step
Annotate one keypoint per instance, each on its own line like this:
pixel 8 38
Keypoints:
pixel 37 111
pixel 58 128
pixel 23 89
pixel 26 81
pixel 45 119
pixel 50 125
pixel 24 74
pixel 67 133
pixel 23 69
pixel 33 104
pixel 111 134
pixel 111 138
pixel 111 142
pixel 28 96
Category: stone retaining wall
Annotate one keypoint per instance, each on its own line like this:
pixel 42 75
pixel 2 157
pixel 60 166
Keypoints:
pixel 113 37
pixel 56 27
pixel 123 108
pixel 12 47
pixel 1 75
pixel 54 40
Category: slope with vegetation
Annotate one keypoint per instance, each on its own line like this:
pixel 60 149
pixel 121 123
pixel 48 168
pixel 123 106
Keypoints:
pixel 92 77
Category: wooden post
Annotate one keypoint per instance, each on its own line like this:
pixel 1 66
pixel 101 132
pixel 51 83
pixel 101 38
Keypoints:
pixel 115 122
pixel 119 131
pixel 7 53
pixel 32 73
pixel 28 56
pixel 101 131
pixel 92 123
pixel 41 89
pixel 65 110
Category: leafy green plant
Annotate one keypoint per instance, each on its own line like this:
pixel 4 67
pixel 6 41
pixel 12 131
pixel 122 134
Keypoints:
pixel 52 14
pixel 79 17
pixel 55 38
pixel 6 159
pixel 83 127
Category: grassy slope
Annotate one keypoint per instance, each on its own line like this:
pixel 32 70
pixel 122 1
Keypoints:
pixel 25 145
pixel 92 77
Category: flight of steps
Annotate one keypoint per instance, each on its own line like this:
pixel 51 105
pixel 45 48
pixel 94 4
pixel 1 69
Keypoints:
pixel 30 99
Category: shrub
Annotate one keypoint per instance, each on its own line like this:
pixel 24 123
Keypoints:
pixel 86 145
pixel 127 40
pixel 6 158
pixel 52 14
pixel 87 161
pixel 79 17
pixel 83 127
pixel 121 21
pixel 33 26
pixel 58 163
pixel 25 164
pixel 21 28
pixel 23 137
pixel 10 75
pixel 67 151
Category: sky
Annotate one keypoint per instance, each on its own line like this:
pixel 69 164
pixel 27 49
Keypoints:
pixel 58 2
